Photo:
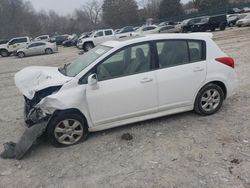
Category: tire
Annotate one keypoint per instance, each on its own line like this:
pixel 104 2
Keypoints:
pixel 222 27
pixel 209 100
pixel 4 53
pixel 88 46
pixel 21 54
pixel 67 129
pixel 48 51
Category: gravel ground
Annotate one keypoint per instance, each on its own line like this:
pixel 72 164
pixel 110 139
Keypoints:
pixel 184 150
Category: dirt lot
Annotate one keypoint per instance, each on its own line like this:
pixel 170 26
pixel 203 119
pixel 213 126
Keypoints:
pixel 183 150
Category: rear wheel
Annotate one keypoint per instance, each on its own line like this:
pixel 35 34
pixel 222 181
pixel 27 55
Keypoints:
pixel 21 54
pixel 209 100
pixel 67 129
pixel 4 53
pixel 222 27
pixel 48 51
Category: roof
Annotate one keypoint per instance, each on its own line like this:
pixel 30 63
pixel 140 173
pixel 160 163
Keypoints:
pixel 131 40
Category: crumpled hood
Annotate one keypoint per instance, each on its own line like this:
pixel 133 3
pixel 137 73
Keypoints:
pixel 33 79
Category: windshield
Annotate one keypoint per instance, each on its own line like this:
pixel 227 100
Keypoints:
pixel 84 61
pixel 185 21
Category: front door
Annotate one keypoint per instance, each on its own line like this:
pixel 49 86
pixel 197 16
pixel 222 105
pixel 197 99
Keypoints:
pixel 127 87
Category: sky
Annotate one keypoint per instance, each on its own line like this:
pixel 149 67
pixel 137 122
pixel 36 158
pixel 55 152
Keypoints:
pixel 62 7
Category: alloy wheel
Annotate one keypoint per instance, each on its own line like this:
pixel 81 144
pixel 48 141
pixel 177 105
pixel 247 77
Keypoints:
pixel 68 132
pixel 210 100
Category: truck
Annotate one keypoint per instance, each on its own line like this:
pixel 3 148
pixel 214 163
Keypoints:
pixel 13 45
pixel 97 37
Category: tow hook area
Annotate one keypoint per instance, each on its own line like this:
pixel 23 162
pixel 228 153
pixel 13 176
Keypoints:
pixel 36 121
pixel 36 116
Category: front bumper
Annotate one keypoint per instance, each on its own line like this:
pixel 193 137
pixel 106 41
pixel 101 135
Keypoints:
pixel 34 116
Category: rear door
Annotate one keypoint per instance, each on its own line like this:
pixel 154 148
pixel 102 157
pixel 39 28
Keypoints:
pixel 182 70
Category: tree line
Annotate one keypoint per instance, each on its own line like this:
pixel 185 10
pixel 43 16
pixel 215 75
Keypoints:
pixel 18 17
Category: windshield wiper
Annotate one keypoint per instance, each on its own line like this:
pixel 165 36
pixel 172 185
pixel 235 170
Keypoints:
pixel 63 70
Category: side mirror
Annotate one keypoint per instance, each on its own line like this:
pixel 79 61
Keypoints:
pixel 92 80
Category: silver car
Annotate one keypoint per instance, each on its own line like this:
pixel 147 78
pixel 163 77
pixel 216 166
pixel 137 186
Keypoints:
pixel 37 48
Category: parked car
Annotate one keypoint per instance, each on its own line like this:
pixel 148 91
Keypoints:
pixel 244 22
pixel 37 48
pixel 4 41
pixel 59 39
pixel 210 23
pixel 187 24
pixel 72 41
pixel 123 82
pixel 233 18
pixel 125 32
pixel 246 9
pixel 167 29
pixel 13 45
pixel 235 11
pixel 148 29
pixel 96 38
pixel 45 38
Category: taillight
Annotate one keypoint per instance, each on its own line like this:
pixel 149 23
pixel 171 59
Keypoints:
pixel 226 60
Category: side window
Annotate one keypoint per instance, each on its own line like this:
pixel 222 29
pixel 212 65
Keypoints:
pixel 14 41
pixel 108 32
pixel 196 51
pixel 32 45
pixel 172 53
pixel 129 61
pixel 40 44
pixel 21 40
pixel 43 38
pixel 99 34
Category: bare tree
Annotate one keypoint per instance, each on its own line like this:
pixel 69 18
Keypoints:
pixel 93 11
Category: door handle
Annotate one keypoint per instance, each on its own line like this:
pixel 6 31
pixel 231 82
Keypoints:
pixel 198 69
pixel 146 80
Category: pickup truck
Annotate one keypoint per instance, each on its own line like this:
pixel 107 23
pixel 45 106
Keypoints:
pixel 97 37
pixel 13 45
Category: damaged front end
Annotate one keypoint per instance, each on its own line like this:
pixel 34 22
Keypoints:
pixel 33 114
pixel 36 121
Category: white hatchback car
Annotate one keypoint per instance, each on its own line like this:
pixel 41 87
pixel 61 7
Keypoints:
pixel 122 82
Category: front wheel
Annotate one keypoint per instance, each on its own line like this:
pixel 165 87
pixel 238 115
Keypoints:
pixel 4 53
pixel 88 46
pixel 67 129
pixel 209 100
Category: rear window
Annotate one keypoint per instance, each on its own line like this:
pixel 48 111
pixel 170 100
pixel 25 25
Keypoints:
pixel 180 52
pixel 196 50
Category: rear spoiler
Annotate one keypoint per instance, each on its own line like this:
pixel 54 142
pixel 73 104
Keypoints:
pixel 210 35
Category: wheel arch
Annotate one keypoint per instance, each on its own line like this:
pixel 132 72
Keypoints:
pixel 217 82
pixel 89 41
pixel 48 48
pixel 67 111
